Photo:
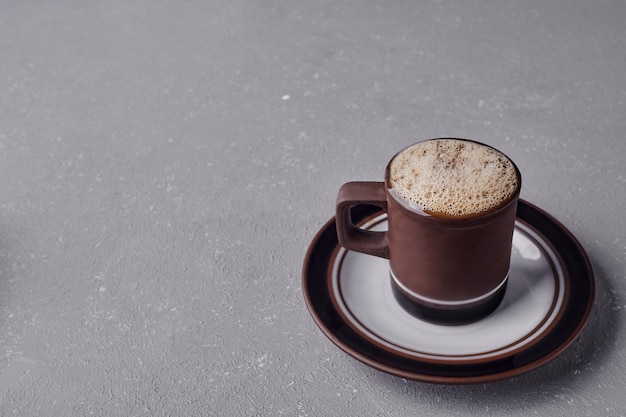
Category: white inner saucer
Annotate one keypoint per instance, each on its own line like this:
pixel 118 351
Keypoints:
pixel 534 297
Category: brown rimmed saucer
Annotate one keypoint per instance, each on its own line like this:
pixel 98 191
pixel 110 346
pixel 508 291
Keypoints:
pixel 549 298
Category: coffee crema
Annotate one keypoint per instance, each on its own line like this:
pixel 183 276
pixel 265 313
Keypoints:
pixel 453 177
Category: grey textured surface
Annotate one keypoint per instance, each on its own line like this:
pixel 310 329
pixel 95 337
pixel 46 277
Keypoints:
pixel 166 164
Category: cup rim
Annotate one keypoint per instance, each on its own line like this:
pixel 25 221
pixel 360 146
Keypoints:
pixel 450 218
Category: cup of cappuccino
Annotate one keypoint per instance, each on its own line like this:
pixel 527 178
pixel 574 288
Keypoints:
pixel 451 206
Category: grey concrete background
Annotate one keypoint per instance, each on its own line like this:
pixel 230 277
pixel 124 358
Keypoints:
pixel 164 166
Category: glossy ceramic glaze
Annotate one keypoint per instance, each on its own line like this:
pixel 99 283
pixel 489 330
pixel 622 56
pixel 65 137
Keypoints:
pixel 362 291
pixel 446 269
pixel 547 303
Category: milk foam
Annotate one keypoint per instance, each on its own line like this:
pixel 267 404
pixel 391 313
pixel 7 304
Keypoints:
pixel 453 177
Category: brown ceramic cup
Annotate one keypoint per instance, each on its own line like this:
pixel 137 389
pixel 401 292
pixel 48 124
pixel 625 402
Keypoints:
pixel 445 267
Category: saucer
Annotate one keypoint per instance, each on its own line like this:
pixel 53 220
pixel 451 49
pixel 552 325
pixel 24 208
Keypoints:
pixel 547 302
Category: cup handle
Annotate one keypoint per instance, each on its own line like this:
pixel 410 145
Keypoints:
pixel 350 235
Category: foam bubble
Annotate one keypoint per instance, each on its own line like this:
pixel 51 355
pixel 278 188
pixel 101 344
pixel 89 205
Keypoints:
pixel 453 177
